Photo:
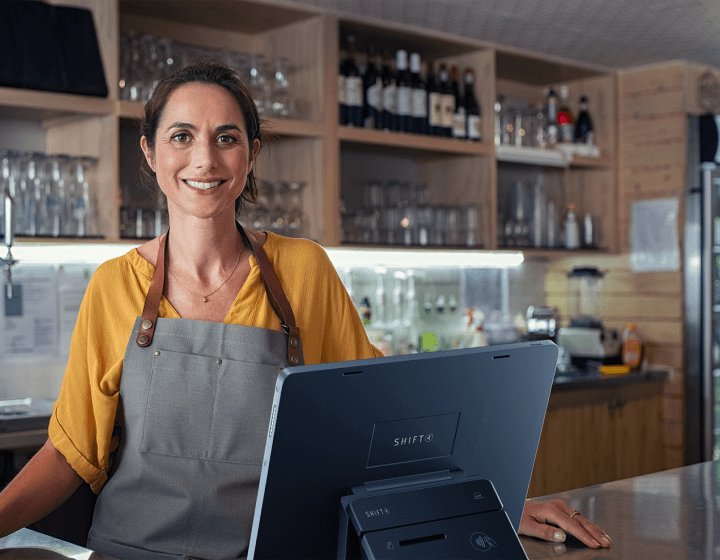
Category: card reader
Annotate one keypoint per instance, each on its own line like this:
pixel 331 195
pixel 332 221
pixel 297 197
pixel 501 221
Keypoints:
pixel 442 515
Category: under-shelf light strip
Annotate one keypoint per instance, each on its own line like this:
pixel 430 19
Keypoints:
pixel 67 253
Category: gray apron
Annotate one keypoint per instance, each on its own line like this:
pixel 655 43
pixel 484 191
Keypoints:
pixel 195 399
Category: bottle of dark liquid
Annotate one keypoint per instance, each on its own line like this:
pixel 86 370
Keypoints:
pixel 472 108
pixel 389 97
pixel 434 103
pixel 372 85
pixel 584 132
pixel 404 92
pixel 447 101
pixel 353 87
pixel 419 97
pixel 459 126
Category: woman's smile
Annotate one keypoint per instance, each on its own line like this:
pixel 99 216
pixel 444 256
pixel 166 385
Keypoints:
pixel 203 185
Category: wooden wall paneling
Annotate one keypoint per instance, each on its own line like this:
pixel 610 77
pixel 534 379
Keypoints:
pixel 520 90
pixel 304 44
pixel 97 137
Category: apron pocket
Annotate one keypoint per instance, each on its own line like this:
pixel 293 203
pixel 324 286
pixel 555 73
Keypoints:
pixel 200 409
pixel 241 414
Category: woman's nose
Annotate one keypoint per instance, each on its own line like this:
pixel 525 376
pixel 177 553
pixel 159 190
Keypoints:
pixel 204 155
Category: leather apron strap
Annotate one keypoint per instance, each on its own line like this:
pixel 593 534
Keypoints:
pixel 276 296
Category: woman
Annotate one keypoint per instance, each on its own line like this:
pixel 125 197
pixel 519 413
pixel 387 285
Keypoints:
pixel 209 312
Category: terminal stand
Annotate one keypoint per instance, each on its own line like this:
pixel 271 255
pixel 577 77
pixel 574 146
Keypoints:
pixel 443 515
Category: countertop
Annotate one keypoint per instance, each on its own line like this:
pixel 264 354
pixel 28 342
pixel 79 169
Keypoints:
pixel 673 514
pixel 589 380
pixel 30 545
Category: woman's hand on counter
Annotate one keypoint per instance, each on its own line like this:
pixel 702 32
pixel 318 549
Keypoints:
pixel 551 521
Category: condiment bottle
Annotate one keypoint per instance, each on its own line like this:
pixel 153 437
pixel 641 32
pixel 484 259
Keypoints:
pixel 632 347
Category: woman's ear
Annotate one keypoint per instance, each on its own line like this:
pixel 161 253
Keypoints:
pixel 147 151
pixel 255 150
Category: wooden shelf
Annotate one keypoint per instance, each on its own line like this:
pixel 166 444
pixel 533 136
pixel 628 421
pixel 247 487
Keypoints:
pixel 548 158
pixel 413 142
pixel 27 104
pixel 547 254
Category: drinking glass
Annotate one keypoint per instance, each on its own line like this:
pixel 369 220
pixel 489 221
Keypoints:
pixel 297 219
pixel 258 84
pixel 280 101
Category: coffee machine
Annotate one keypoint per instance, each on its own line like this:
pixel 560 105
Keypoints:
pixel 585 338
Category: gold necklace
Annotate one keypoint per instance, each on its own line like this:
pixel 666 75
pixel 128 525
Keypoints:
pixel 204 297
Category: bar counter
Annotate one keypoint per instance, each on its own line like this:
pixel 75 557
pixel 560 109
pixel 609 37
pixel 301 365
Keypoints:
pixel 672 514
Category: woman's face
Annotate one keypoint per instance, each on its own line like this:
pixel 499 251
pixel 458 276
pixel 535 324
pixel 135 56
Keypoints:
pixel 201 156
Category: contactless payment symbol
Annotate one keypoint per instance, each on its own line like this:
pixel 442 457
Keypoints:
pixel 481 542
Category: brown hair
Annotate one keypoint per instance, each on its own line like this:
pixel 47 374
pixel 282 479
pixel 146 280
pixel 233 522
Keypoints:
pixel 206 72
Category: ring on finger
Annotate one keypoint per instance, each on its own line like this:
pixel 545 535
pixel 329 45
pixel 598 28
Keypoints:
pixel 574 513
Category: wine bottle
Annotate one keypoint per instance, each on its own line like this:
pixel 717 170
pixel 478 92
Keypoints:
pixel 342 106
pixel 353 87
pixel 447 101
pixel 459 126
pixel 419 96
pixel 389 93
pixel 372 85
pixel 565 119
pixel 434 103
pixel 584 131
pixel 472 108
pixel 404 92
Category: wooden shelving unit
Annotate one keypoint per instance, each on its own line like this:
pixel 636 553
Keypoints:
pixel 333 160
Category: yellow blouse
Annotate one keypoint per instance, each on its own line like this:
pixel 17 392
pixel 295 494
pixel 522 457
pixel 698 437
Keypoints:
pixel 84 415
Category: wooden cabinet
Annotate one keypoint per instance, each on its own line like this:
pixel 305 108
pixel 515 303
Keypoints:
pixel 333 160
pixel 596 435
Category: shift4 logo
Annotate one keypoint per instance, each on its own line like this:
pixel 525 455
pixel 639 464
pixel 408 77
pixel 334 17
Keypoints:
pixel 482 542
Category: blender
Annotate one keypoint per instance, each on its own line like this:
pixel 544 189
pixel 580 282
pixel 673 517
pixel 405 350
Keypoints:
pixel 586 339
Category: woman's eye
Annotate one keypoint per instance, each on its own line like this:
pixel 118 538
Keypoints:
pixel 181 137
pixel 226 139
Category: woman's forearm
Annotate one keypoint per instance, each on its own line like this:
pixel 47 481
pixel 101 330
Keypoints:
pixel 45 483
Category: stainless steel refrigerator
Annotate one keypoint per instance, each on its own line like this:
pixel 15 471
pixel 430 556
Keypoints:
pixel 702 290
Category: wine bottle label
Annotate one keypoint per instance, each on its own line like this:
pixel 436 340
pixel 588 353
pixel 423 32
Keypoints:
pixel 448 111
pixel 474 127
pixel 419 103
pixel 435 109
pixel 458 128
pixel 353 91
pixel 374 95
pixel 389 95
pixel 404 106
pixel 341 89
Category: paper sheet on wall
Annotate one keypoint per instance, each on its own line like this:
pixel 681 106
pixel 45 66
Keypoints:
pixel 29 319
pixel 654 244
pixel 72 283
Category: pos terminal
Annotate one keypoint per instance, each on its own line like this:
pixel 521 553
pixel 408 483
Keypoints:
pixel 419 456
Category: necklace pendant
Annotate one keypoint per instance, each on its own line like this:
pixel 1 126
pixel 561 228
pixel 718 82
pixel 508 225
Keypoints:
pixel 204 299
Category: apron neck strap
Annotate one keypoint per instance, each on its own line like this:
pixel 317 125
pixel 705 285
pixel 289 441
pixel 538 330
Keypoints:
pixel 276 296
pixel 152 302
